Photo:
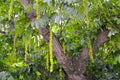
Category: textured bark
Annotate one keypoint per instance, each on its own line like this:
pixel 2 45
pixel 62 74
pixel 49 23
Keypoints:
pixel 76 66
pixel 24 3
pixel 66 63
pixel 82 60
pixel 101 38
pixel 57 49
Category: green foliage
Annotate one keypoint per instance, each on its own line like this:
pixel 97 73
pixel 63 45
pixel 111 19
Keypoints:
pixel 74 22
pixel 5 76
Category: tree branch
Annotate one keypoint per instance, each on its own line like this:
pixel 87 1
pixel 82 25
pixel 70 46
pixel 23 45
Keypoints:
pixel 66 63
pixel 24 3
pixel 83 58
pixel 101 38
pixel 57 49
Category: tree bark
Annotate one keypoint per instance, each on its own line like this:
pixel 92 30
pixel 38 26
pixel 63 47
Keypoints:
pixel 65 61
pixel 75 66
pixel 80 62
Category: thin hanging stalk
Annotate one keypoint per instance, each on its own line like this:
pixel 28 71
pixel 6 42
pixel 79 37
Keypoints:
pixel 60 70
pixel 26 49
pixel 86 13
pixel 90 51
pixel 88 26
pixel 64 47
pixel 14 42
pixel 61 73
pixel 37 9
pixel 14 47
pixel 47 61
pixel 50 47
pixel 35 44
pixel 105 15
pixel 11 9
pixel 29 45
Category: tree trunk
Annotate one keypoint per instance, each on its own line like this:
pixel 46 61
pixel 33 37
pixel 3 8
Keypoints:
pixel 73 71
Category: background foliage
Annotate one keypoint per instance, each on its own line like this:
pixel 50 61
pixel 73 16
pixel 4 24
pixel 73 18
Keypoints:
pixel 74 22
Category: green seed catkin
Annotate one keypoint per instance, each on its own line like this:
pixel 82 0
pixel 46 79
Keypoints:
pixel 87 21
pixel 11 9
pixel 90 51
pixel 50 47
pixel 37 9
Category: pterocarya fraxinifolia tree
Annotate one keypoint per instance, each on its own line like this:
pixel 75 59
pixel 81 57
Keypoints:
pixel 59 39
